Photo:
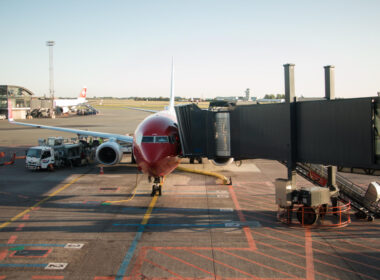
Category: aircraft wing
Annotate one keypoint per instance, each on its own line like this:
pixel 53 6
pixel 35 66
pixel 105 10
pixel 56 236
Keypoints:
pixel 119 137
pixel 141 109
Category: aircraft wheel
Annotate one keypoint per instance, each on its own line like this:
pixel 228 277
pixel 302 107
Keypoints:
pixel 159 190
pixel 191 160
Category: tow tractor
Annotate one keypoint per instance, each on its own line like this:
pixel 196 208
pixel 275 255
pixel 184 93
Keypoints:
pixel 56 152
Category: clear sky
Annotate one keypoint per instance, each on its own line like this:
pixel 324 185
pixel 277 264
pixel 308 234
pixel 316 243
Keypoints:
pixel 124 48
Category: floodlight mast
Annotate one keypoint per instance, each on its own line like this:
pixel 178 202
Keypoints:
pixel 50 44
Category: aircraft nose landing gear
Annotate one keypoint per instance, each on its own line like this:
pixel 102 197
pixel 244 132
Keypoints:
pixel 156 188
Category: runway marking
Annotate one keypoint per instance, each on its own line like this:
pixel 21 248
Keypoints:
pixel 247 231
pixel 26 217
pixel 259 264
pixel 185 262
pixel 3 254
pixel 23 264
pixel 12 239
pixel 20 227
pixel 309 255
pixel 36 206
pixel 24 253
pixel 47 277
pixel 32 245
pixel 128 257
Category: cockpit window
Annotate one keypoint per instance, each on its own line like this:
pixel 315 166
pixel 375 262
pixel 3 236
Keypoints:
pixel 147 139
pixel 161 139
pixel 155 139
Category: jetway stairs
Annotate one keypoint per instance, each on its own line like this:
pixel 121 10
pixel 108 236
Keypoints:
pixel 348 191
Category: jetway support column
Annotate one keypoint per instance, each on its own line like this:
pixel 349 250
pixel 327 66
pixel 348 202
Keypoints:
pixel 330 95
pixel 290 100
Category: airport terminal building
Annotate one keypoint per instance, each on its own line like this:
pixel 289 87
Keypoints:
pixel 19 97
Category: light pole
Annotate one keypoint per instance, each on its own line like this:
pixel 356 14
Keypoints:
pixel 50 44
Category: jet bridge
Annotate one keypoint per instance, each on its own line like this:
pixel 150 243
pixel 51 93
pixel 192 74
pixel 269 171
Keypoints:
pixel 331 132
pixel 340 132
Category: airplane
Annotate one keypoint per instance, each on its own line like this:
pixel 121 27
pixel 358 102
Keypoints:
pixel 156 146
pixel 67 104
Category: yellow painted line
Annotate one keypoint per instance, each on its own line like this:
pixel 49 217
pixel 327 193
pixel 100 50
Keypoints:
pixel 149 211
pixel 18 216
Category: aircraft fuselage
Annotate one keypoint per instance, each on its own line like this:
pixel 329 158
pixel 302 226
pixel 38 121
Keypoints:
pixel 156 145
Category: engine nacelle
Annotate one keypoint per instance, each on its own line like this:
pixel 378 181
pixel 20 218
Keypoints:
pixel 109 153
pixel 222 161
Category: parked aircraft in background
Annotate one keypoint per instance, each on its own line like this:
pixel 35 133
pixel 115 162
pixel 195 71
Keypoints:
pixel 68 104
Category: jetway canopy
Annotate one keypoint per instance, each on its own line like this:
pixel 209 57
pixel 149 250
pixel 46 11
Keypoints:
pixel 340 132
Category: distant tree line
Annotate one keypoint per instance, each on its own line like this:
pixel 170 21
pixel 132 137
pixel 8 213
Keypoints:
pixel 272 96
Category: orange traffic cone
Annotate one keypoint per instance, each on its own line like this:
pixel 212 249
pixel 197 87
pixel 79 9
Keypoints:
pixel 101 170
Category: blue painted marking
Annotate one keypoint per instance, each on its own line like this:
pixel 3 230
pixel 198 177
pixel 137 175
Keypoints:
pixel 93 202
pixel 32 245
pixel 128 257
pixel 23 265
pixel 133 209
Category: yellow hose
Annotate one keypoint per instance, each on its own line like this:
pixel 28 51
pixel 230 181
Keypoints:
pixel 181 168
pixel 207 173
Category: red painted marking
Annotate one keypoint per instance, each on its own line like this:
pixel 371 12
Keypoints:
pixel 3 255
pixel 164 268
pixel 224 264
pixel 47 277
pixel 12 239
pixel 309 255
pixel 326 253
pixel 3 277
pixel 288 252
pixel 139 262
pixel 20 227
pixel 185 262
pixel 26 217
pixel 260 264
pixel 247 231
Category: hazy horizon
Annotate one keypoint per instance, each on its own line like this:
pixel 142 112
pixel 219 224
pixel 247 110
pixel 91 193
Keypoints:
pixel 124 48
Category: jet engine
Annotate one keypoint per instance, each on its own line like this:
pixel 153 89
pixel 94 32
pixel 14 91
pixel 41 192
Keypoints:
pixel 220 161
pixel 109 153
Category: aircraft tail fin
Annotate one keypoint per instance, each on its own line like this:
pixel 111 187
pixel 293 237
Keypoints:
pixel 10 112
pixel 171 104
pixel 82 95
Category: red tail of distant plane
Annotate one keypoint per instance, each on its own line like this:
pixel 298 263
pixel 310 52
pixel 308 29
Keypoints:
pixel 83 93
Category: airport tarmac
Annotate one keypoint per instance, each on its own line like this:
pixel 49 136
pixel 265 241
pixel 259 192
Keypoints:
pixel 80 224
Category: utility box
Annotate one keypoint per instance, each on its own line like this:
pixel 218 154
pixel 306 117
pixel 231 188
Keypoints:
pixel 284 190
pixel 373 192
pixel 314 196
